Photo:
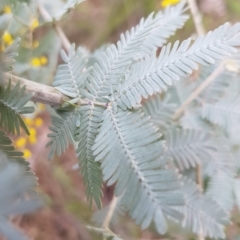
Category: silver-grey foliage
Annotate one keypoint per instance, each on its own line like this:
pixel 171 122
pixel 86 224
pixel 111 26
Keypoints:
pixel 131 148
pixel 17 186
pixel 188 147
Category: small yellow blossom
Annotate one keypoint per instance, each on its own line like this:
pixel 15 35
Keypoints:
pixel 7 38
pixel 35 44
pixel 34 24
pixel 38 122
pixel 39 61
pixel 7 9
pixel 32 139
pixel 26 153
pixel 41 106
pixel 35 62
pixel 28 121
pixel 165 3
pixel 43 60
pixel 21 142
pixel 32 131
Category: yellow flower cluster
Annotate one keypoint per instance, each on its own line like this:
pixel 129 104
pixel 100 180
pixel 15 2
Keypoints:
pixel 39 61
pixel 7 39
pixel 7 9
pixel 165 3
pixel 23 141
pixel 34 24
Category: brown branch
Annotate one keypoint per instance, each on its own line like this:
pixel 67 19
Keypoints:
pixel 47 94
pixel 41 93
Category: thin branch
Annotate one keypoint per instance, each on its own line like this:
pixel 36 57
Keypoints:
pixel 46 94
pixel 199 90
pixel 111 210
pixel 103 231
pixel 197 17
pixel 65 42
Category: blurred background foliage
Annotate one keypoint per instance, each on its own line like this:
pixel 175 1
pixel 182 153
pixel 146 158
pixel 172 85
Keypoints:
pixel 92 24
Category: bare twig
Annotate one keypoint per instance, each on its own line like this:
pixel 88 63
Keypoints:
pixel 65 42
pixel 106 222
pixel 105 232
pixel 197 17
pixel 111 210
pixel 199 90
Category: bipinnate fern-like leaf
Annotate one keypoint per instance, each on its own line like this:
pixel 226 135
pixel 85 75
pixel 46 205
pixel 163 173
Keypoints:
pixel 11 154
pixel 69 77
pixel 188 147
pixel 91 118
pixel 160 110
pixel 236 186
pixel 63 131
pixel 130 152
pixel 8 149
pixel 14 184
pixel 225 112
pixel 218 88
pixel 221 188
pixel 221 173
pixel 139 41
pixel 202 215
pixel 57 9
pixel 154 75
pixel 12 104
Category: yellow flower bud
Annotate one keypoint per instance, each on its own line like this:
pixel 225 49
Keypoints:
pixel 38 122
pixel 7 9
pixel 21 142
pixel 32 139
pixel 28 121
pixel 35 44
pixel 27 154
pixel 35 62
pixel 34 24
pixel 41 106
pixel 7 38
pixel 32 131
pixel 166 3
pixel 43 60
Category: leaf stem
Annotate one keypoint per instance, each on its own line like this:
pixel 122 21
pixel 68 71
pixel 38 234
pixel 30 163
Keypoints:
pixel 109 215
pixel 65 42
pixel 199 90
pixel 197 17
